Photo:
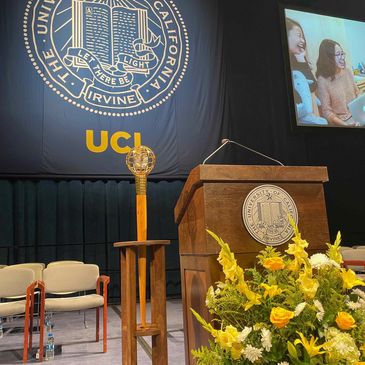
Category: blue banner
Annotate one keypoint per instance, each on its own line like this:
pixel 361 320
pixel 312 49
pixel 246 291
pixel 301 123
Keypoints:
pixel 83 81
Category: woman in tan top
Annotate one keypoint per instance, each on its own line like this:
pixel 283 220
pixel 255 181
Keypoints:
pixel 336 84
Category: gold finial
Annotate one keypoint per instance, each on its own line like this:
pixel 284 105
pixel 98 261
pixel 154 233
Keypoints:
pixel 140 161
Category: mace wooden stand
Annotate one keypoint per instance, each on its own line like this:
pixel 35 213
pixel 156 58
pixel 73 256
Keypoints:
pixel 212 198
pixel 158 327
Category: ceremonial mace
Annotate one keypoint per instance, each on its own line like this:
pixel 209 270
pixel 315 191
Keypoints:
pixel 140 161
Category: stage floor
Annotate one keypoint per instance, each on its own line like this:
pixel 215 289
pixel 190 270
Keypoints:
pixel 79 346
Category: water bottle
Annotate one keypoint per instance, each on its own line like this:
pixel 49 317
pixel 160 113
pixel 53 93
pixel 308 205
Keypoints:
pixel 50 339
pixel 50 347
pixel 1 328
pixel 48 322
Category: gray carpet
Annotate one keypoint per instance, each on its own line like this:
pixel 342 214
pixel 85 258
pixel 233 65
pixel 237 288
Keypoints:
pixel 78 344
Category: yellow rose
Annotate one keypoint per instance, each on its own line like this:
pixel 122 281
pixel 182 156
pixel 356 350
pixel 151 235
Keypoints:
pixel 280 317
pixel 274 263
pixel 345 321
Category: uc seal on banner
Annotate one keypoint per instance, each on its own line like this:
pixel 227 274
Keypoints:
pixel 112 57
pixel 265 214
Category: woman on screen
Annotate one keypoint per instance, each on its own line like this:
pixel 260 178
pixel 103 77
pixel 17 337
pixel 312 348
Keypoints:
pixel 304 82
pixel 336 84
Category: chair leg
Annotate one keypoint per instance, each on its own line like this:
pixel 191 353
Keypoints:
pixel 41 315
pixel 105 328
pixel 31 321
pixel 85 321
pixel 38 314
pixel 97 325
pixel 26 331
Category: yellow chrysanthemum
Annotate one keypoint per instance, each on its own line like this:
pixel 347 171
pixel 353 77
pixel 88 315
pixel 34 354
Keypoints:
pixel 310 346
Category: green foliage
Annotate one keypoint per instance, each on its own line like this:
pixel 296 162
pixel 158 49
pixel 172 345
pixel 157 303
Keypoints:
pixel 205 356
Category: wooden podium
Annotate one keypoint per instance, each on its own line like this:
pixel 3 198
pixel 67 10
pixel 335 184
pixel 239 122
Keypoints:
pixel 212 198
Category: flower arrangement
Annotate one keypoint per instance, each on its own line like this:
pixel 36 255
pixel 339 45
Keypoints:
pixel 294 310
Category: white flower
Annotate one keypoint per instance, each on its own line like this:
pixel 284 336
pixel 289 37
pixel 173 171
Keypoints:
pixel 243 334
pixel 319 260
pixel 221 285
pixel 360 303
pixel 359 292
pixel 335 264
pixel 342 346
pixel 318 305
pixel 320 308
pixel 354 305
pixel 252 354
pixel 266 339
pixel 283 363
pixel 299 309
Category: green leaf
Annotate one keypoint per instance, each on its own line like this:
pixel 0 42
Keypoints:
pixel 292 350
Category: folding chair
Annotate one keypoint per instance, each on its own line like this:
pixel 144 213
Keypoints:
pixel 20 283
pixel 77 278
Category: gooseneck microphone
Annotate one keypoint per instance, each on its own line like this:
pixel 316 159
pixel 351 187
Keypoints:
pixel 226 141
pixel 223 143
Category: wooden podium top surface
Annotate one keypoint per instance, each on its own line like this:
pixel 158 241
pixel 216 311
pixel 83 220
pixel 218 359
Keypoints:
pixel 245 173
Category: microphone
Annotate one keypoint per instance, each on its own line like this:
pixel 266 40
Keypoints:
pixel 226 141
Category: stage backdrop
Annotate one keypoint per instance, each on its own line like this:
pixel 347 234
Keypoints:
pixel 83 81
